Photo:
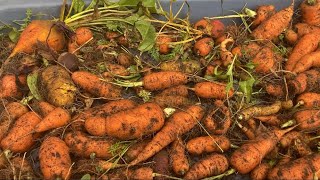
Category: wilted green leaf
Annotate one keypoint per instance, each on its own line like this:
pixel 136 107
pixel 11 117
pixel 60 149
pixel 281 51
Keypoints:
pixel 246 88
pixel 128 2
pixel 32 80
pixel 14 35
pixel 86 177
pixel 78 6
pixel 148 34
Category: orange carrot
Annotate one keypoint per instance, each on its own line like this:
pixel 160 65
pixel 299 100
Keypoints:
pixel 180 90
pixel 83 35
pixel 203 46
pixel 273 27
pixel 260 172
pixel 135 150
pixel 178 124
pixel 310 12
pixel 272 120
pixel 55 161
pixel 288 138
pixel 291 37
pixel 211 165
pixel 129 124
pixel 264 12
pixel 303 82
pixel 264 61
pixel 208 144
pixel 307 62
pixel 55 119
pixel 9 87
pixel 125 59
pixel 309 100
pixel 172 101
pixel 180 163
pixel 163 43
pixel 303 29
pixel 308 120
pixel 20 137
pixel 43 108
pixel 212 90
pixel 162 80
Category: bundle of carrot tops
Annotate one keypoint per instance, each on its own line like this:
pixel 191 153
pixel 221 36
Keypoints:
pixel 127 90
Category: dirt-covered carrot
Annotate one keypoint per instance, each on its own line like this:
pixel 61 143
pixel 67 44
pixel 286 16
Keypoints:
pixel 55 119
pixel 218 120
pixel 83 35
pixel 225 54
pixel 260 172
pixel 101 110
pixel 270 119
pixel 214 28
pixel 250 50
pixel 129 124
pixel 250 154
pixel 308 120
pixel 212 90
pixel 178 124
pixel 9 87
pixel 115 70
pixel 125 59
pixel 22 167
pixel 291 36
pixel 309 99
pixel 135 150
pixel 288 138
pixel 203 46
pixel 179 160
pixel 92 84
pixel 263 13
pixel 44 31
pixel 301 147
pixel 12 111
pixel 211 165
pixel 162 42
pixel 303 168
pixel 254 111
pixel 304 28
pixel 302 48
pixel 43 108
pixel 310 12
pixel 307 62
pixel 172 101
pixel 208 144
pixel 55 161
pixel 273 27
pixel 304 82
pixel 20 137
pixel 84 145
pixel 180 90
pixel 264 61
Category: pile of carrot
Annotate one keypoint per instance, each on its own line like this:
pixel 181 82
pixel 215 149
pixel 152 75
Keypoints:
pixel 84 100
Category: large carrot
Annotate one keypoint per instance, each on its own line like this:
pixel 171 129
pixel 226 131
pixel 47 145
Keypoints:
pixel 83 145
pixel 308 120
pixel 180 162
pixel 129 124
pixel 303 29
pixel 307 61
pixel 55 119
pixel 92 84
pixel 211 165
pixel 178 124
pixel 212 90
pixel 310 12
pixel 55 161
pixel 162 80
pixel 303 47
pixel 250 154
pixel 309 99
pixel 20 137
pixel 208 144
pixel 306 168
pixel 274 26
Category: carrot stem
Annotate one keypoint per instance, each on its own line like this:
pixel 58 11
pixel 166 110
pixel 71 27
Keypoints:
pixel 288 123
pixel 227 173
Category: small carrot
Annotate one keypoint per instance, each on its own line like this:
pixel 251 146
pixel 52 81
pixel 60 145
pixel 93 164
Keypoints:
pixel 307 120
pixel 180 162
pixel 55 161
pixel 310 12
pixel 309 99
pixel 306 81
pixel 208 144
pixel 55 119
pixel 288 138
pixel 212 90
pixel 178 124
pixel 83 35
pixel 172 101
pixel 307 62
pixel 125 59
pixel 304 28
pixel 272 120
pixel 301 147
pixel 135 150
pixel 254 111
pixel 264 12
pixel 291 36
pixel 203 46
pixel 211 165
pixel 180 90
pixel 162 42
pixel 9 87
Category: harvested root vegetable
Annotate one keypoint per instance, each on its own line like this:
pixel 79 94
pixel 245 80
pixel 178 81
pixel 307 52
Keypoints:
pixel 54 158
pixel 264 12
pixel 260 172
pixel 83 145
pixel 125 59
pixel 115 70
pixel 180 162
pixel 264 61
pixel 301 147
pixel 92 84
pixel 225 54
pixel 172 101
pixel 43 108
pixel 308 120
pixel 163 80
pixel 250 50
pixel 212 90
pixel 302 48
pixel 57 118
pixel 291 37
pixel 309 100
pixel 203 46
pixel 20 137
pixel 9 87
pixel 254 111
pixel 12 111
pixel 163 43
pixel 304 82
pixel 44 31
pixel 59 89
pixel 208 144
pixel 143 173
pixel 23 168
pixel 188 67
pixel 303 29
pixel 214 28
pixel 83 35
pixel 303 168
pixel 272 120
pixel 180 90
pixel 249 155
pixel 307 62
pixel 218 120
pixel 129 124
pixel 178 124
pixel 273 27
pixel 310 12
pixel 211 165
pixel 288 138
pixel 135 150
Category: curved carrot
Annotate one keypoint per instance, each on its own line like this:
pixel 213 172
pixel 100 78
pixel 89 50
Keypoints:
pixel 208 144
pixel 180 163
pixel 56 118
pixel 212 90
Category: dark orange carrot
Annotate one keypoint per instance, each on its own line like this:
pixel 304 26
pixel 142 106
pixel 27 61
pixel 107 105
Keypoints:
pixel 212 90
pixel 129 124
pixel 273 27
pixel 260 172
pixel 125 59
pixel 218 120
pixel 275 90
pixel 135 150
pixel 291 37
pixel 57 118
pixel 309 99
pixel 83 145
pixel 92 84
pixel 273 120
pixel 163 80
pixel 250 154
pixel 211 165
pixel 301 147
pixel 83 35
pixel 162 42
pixel 263 13
pixel 178 124
pixel 308 120
pixel 264 61
pixel 203 46
pixel 307 62
pixel 20 137
pixel 303 29
pixel 43 108
pixel 9 87
pixel 208 144
pixel 180 162
pixel 180 90
pixel 310 12
pixel 303 82
pixel 172 101
pixel 217 29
